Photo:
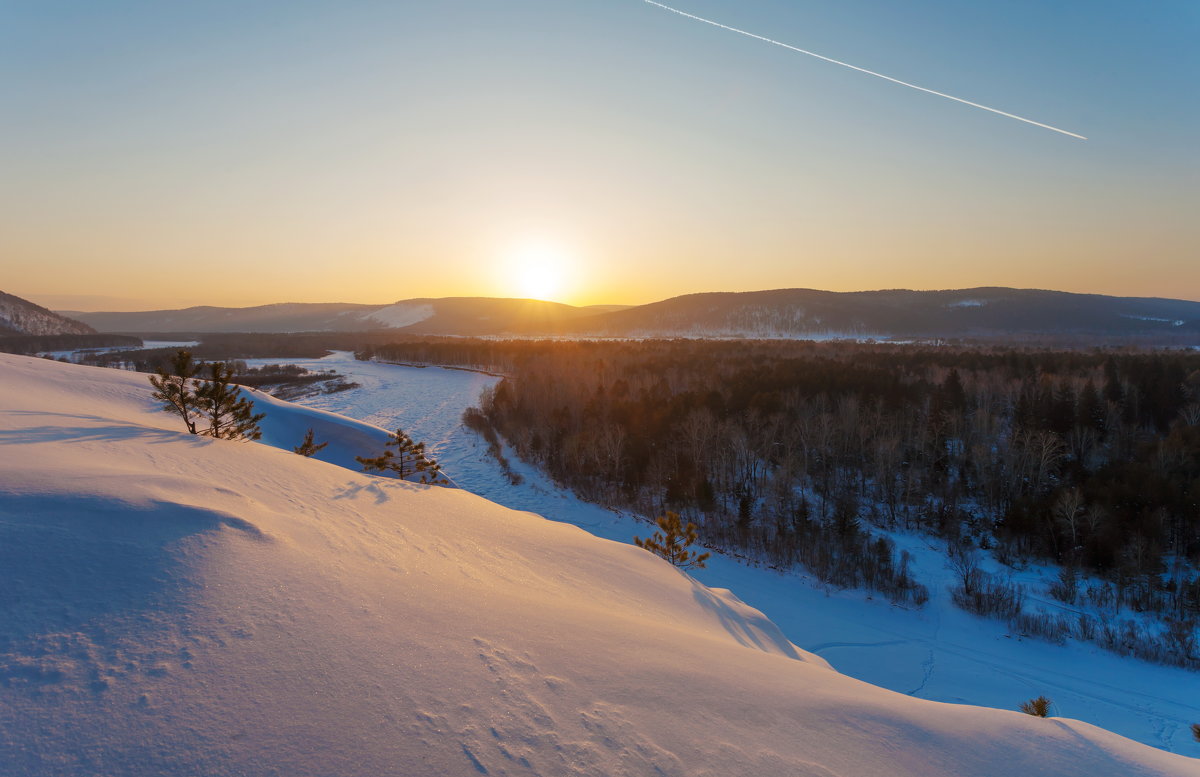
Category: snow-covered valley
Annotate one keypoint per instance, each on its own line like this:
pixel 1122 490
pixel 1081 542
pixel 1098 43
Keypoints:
pixel 182 605
pixel 938 653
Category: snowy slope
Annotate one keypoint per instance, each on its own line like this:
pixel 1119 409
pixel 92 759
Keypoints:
pixel 175 605
pixel 938 652
pixel 400 315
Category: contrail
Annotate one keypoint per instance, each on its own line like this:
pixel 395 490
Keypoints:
pixel 864 70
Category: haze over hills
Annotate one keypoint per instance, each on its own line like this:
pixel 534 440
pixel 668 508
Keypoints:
pixel 449 315
pixel 797 313
pixel 22 317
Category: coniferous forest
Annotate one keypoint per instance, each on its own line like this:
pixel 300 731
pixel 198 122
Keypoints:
pixel 795 453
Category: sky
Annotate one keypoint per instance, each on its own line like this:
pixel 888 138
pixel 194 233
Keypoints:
pixel 157 155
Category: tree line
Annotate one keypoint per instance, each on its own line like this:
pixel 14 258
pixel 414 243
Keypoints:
pixel 787 452
pixel 33 344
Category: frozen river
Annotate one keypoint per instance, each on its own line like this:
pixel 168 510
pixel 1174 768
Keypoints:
pixel 937 653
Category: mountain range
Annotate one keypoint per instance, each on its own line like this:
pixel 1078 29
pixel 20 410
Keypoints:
pixel 782 313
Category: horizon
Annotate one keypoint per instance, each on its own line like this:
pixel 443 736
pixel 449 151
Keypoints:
pixel 170 156
pixel 37 299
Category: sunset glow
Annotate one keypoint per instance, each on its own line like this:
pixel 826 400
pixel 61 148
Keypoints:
pixel 537 271
pixel 648 154
pixel 749 388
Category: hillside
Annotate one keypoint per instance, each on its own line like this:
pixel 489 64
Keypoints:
pixel 451 315
pixel 900 313
pixel 22 317
pixel 249 611
pixel 283 317
pixel 799 313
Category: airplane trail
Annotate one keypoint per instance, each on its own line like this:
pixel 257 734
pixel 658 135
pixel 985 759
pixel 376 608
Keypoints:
pixel 864 70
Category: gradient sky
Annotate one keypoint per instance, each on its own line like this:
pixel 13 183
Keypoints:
pixel 160 154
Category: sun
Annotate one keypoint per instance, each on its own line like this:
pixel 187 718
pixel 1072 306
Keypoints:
pixel 538 271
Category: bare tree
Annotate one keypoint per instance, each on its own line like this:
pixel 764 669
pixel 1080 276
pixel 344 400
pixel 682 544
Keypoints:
pixel 1048 452
pixel 964 562
pixel 1069 513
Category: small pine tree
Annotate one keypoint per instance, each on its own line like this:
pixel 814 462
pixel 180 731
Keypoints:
pixel 1196 731
pixel 309 446
pixel 671 542
pixel 175 386
pixel 230 415
pixel 1039 707
pixel 402 455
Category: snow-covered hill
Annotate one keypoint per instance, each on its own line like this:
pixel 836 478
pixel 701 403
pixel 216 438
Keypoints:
pixel 22 317
pixel 776 313
pixel 446 316
pixel 176 605
pixel 938 652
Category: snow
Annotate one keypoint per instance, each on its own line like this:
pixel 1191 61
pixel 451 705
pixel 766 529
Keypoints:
pixel 938 653
pixel 1171 321
pixel 176 605
pixel 808 334
pixel 400 315
pixel 75 353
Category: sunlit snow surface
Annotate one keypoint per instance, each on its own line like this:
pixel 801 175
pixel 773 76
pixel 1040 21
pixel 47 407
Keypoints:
pixel 937 653
pixel 174 605
pixel 400 315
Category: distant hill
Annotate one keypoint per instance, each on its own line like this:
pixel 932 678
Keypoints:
pixel 283 317
pixel 450 315
pixel 22 317
pixel 789 313
pixel 486 316
pixel 898 313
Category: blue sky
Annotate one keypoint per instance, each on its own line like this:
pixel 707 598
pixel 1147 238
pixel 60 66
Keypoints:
pixel 372 151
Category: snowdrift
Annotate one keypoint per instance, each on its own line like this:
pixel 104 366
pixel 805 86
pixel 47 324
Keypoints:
pixel 177 605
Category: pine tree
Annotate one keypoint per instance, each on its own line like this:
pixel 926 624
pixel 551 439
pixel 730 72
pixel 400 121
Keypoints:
pixel 1090 414
pixel 1039 707
pixel 216 400
pixel 230 415
pixel 309 446
pixel 954 396
pixel 402 455
pixel 671 542
pixel 1196 731
pixel 175 386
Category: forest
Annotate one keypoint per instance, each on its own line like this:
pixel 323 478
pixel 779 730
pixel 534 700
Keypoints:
pixel 801 453
pixel 31 344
